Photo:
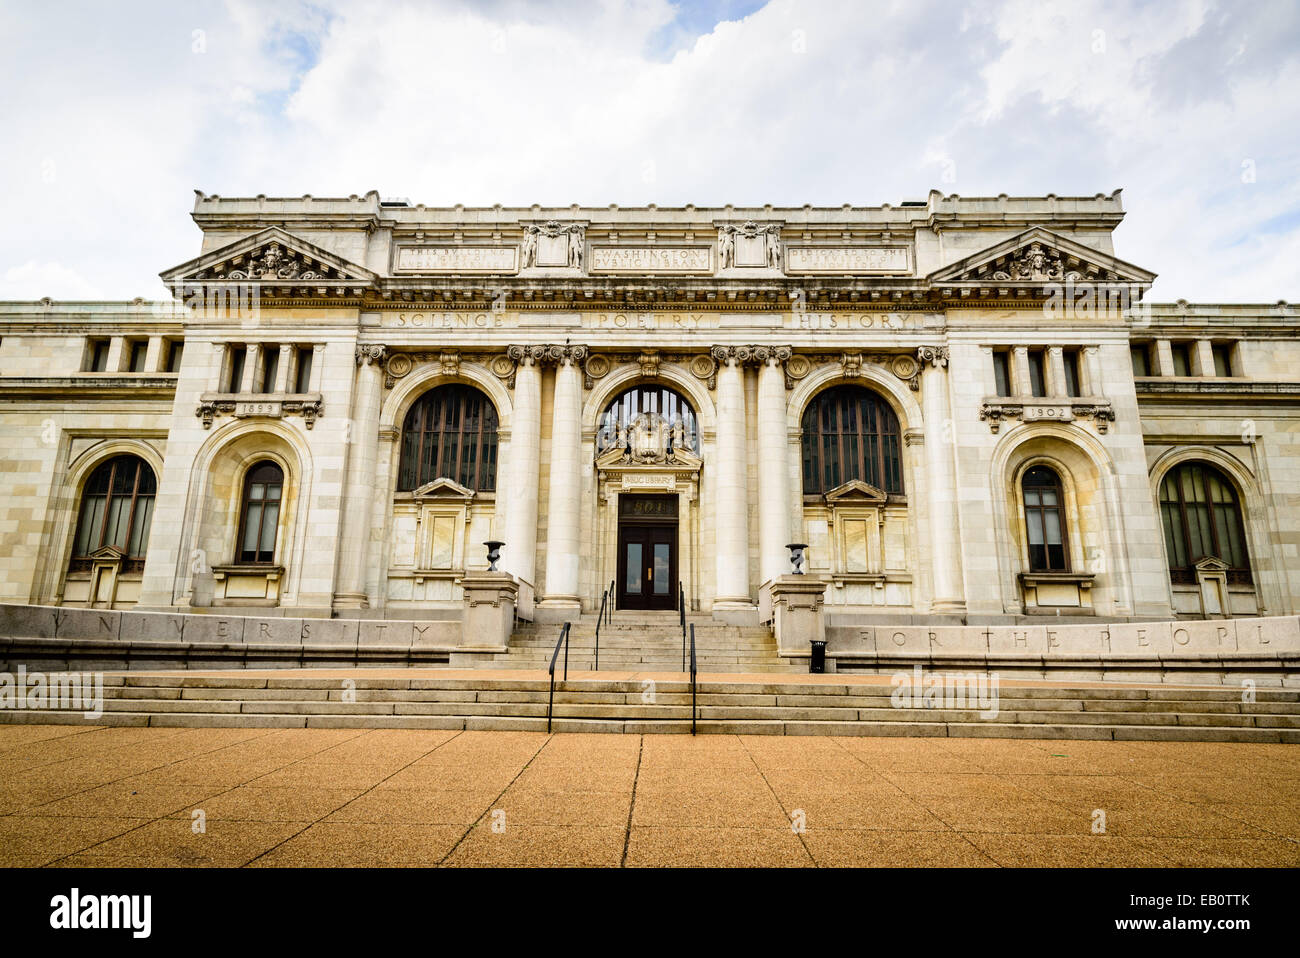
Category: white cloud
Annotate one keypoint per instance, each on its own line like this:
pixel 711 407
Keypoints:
pixel 33 280
pixel 820 102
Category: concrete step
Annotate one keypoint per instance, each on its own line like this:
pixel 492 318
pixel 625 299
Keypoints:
pixel 783 706
pixel 906 728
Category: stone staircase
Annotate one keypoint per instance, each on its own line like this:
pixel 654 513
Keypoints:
pixel 422 699
pixel 648 642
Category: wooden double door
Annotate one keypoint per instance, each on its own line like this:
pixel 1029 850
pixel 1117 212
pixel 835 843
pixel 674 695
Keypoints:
pixel 647 552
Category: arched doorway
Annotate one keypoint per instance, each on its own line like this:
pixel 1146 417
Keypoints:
pixel 647 452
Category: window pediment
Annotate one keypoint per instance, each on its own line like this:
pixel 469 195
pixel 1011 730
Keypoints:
pixel 854 492
pixel 442 489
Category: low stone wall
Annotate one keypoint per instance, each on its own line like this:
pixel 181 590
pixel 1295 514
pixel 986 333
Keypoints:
pixel 49 637
pixel 1264 650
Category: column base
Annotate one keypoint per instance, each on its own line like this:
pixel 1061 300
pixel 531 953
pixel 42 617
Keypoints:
pixel 351 600
pixel 557 608
pixel 947 607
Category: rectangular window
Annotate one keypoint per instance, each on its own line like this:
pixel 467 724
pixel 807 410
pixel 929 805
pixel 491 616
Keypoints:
pixel 235 370
pixel 97 356
pixel 303 379
pixel 1002 372
pixel 1072 388
pixel 139 352
pixel 1037 373
pixel 1222 359
pixel 174 350
pixel 1182 353
pixel 270 367
pixel 1141 356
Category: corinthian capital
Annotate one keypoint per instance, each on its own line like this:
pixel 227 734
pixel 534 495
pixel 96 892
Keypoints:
pixel 371 354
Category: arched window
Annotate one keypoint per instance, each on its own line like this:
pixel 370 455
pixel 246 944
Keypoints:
pixel 260 512
pixel 116 508
pixel 850 433
pixel 1044 521
pixel 1202 517
pixel 450 433
pixel 648 398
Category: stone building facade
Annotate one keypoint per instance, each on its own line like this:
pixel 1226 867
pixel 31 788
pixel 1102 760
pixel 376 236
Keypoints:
pixel 962 406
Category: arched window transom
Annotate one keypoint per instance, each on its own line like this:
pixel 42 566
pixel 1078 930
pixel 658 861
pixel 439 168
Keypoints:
pixel 1202 517
pixel 849 432
pixel 659 402
pixel 450 433
pixel 116 510
pixel 1044 521
pixel 260 512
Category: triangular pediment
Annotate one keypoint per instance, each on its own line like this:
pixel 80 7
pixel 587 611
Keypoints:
pixel 443 489
pixel 618 457
pixel 1211 564
pixel 856 491
pixel 1040 256
pixel 272 256
pixel 108 552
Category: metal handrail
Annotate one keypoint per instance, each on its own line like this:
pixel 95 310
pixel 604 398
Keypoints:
pixel 564 641
pixel 604 597
pixel 692 678
pixel 681 612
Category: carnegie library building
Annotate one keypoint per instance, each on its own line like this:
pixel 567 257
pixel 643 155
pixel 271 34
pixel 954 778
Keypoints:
pixel 953 425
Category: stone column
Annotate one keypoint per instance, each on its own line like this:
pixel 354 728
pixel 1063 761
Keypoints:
pixel 941 484
pixel 252 368
pixel 1092 362
pixel 774 471
pixel 732 508
pixel 519 556
pixel 282 380
pixel 1020 384
pixel 362 445
pixel 1056 371
pixel 1164 357
pixel 1203 358
pixel 562 523
pixel 317 367
pixel 153 356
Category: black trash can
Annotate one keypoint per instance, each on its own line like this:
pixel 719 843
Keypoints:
pixel 817 663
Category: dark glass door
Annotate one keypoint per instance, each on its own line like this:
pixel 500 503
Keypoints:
pixel 647 566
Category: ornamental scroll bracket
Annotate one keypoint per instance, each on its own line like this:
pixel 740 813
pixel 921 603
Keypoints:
pixel 901 366
pixel 259 408
pixel 996 411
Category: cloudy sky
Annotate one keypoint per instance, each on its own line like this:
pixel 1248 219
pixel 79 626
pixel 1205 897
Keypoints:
pixel 113 113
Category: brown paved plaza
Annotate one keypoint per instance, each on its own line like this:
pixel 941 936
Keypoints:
pixel 122 797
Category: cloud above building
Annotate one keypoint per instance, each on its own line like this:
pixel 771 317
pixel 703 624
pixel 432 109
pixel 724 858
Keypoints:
pixel 114 115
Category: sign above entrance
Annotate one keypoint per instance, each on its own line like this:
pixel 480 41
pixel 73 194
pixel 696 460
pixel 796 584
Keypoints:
pixel 647 507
